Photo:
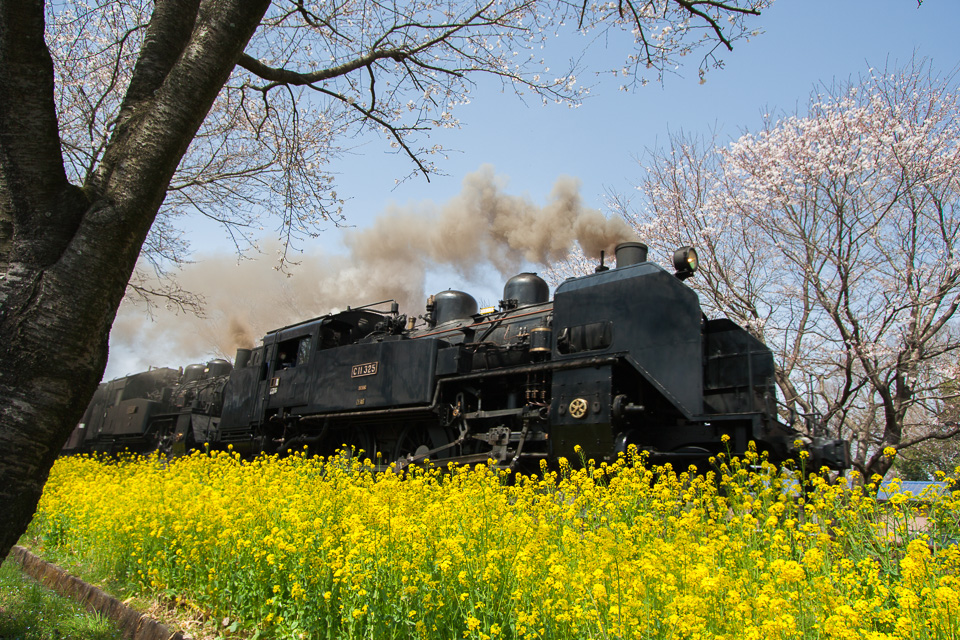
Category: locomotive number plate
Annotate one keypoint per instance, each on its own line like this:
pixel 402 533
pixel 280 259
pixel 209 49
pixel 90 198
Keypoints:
pixel 365 369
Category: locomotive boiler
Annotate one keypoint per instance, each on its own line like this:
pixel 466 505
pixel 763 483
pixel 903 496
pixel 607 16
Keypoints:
pixel 619 357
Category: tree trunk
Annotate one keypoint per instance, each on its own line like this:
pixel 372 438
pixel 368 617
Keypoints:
pixel 55 323
pixel 66 254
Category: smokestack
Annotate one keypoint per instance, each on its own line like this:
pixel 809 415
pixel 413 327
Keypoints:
pixel 630 253
pixel 243 357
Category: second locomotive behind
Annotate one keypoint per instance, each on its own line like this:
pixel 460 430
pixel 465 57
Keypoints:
pixel 618 357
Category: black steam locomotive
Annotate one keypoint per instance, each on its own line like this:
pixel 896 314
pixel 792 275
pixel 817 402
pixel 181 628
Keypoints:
pixel 622 356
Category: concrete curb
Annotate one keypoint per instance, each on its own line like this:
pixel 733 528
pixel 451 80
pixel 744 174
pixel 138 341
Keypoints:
pixel 133 624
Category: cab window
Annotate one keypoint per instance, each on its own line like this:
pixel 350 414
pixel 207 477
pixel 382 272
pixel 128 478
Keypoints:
pixel 585 337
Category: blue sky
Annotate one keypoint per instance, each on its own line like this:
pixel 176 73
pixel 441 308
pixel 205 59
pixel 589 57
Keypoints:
pixel 805 42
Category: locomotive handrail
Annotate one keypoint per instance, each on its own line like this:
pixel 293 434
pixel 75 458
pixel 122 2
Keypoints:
pixel 366 307
pixel 813 420
pixel 477 324
pixel 554 365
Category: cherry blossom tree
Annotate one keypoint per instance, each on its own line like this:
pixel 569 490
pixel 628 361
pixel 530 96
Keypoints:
pixel 833 235
pixel 320 77
pixel 120 117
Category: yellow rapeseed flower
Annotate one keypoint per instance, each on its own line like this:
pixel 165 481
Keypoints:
pixel 744 549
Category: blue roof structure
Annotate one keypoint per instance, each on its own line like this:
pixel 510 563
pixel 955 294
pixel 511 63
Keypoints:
pixel 918 489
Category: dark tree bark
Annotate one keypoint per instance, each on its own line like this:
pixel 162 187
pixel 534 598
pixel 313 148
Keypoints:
pixel 67 252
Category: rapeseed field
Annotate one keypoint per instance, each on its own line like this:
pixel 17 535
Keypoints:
pixel 307 547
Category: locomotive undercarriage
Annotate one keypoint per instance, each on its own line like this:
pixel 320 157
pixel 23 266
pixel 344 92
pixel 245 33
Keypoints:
pixel 643 417
pixel 136 443
pixel 487 415
pixel 153 435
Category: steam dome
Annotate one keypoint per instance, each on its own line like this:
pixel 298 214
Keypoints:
pixel 526 288
pixel 453 305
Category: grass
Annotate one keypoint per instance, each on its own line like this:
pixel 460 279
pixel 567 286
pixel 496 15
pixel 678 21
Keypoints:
pixel 30 611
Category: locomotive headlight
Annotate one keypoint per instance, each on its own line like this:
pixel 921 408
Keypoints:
pixel 685 261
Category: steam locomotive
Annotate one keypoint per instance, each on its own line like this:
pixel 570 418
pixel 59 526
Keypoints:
pixel 619 357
